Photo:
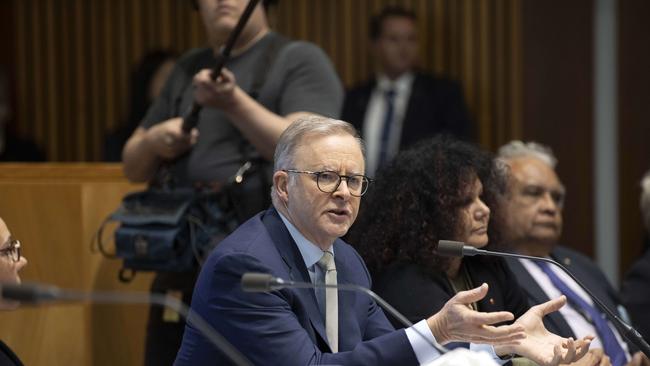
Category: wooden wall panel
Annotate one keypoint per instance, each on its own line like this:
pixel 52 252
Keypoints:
pixel 633 127
pixel 71 58
pixel 558 102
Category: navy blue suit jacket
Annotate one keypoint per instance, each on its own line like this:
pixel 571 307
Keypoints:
pixel 436 106
pixel 635 294
pixel 285 327
pixel 585 270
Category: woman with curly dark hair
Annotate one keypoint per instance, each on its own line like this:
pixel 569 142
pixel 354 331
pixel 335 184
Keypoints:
pixel 440 189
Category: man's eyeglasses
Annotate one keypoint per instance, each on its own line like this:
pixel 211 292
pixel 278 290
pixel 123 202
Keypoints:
pixel 12 250
pixel 328 181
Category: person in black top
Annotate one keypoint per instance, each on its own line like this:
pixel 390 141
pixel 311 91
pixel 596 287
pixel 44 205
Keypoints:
pixel 12 146
pixel 440 189
pixel 147 81
pixel 11 262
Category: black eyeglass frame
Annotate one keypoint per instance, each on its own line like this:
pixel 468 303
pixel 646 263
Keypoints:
pixel 318 174
pixel 12 250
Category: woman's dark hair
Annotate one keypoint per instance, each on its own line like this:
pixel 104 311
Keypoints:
pixel 139 101
pixel 141 77
pixel 416 201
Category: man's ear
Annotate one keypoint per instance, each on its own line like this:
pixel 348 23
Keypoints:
pixel 281 184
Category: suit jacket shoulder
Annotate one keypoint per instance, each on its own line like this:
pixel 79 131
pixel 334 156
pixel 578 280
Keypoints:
pixel 436 106
pixel 634 293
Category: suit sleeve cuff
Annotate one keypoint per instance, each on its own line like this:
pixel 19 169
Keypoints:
pixel 489 350
pixel 420 338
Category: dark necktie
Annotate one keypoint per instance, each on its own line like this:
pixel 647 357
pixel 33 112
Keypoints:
pixel 384 143
pixel 611 346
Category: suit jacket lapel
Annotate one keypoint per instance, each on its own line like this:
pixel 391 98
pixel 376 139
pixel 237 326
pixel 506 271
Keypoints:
pixel 585 276
pixel 362 106
pixel 296 267
pixel 413 131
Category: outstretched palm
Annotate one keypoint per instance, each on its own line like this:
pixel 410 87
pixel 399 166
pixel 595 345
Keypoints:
pixel 542 346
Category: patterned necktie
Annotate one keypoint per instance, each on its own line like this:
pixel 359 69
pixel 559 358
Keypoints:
pixel 326 263
pixel 610 344
pixel 384 143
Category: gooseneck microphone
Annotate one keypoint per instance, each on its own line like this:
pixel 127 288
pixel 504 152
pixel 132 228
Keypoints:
pixel 264 282
pixel 32 293
pixel 452 248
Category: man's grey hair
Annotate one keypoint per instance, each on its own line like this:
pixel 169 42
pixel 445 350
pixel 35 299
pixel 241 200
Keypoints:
pixel 298 131
pixel 518 149
pixel 645 200
pixel 307 127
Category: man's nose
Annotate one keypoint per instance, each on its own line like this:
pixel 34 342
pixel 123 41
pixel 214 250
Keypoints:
pixel 343 188
pixel 548 204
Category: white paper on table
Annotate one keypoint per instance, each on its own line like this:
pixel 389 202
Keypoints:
pixel 463 357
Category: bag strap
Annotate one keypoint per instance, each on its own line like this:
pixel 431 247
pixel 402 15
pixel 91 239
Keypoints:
pixel 97 240
pixel 265 63
pixel 163 177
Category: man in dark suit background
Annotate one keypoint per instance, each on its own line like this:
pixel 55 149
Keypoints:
pixel 401 105
pixel 635 290
pixel 532 224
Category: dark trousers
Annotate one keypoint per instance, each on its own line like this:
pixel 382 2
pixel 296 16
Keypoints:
pixel 164 336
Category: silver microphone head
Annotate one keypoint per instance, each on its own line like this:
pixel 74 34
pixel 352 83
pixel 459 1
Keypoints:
pixel 257 282
pixel 450 248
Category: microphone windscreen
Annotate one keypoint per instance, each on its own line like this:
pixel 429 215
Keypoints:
pixel 450 248
pixel 256 282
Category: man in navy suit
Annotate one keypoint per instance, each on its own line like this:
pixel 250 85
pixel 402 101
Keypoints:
pixel 401 105
pixel 317 186
pixel 532 218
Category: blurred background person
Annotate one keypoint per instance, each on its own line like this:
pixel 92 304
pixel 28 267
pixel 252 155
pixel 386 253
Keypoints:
pixel 267 83
pixel 440 189
pixel 147 81
pixel 400 104
pixel 532 222
pixel 13 147
pixel 635 290
pixel 11 262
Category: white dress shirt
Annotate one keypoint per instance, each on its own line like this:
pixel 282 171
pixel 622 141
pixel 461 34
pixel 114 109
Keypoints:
pixel 580 326
pixel 376 112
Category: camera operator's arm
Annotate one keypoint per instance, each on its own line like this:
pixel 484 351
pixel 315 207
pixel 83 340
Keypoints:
pixel 259 125
pixel 147 148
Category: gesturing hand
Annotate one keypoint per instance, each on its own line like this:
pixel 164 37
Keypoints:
pixel 217 93
pixel 542 346
pixel 457 322
pixel 168 140
pixel 595 357
pixel 639 359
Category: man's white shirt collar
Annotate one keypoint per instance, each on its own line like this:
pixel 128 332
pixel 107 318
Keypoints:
pixel 310 252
